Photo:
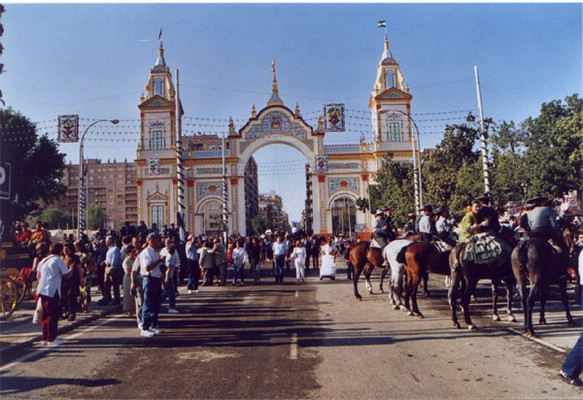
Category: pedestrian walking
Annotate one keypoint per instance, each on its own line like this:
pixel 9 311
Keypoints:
pixel 51 271
pixel 150 268
pixel 298 257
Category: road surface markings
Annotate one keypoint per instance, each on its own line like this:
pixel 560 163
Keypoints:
pixel 45 349
pixel 293 350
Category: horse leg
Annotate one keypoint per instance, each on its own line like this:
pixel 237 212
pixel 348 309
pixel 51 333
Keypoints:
pixel 509 283
pixel 355 275
pixel 543 302
pixel 367 272
pixel 495 284
pixel 412 287
pixel 383 274
pixel 565 301
pixel 452 297
pixel 425 279
pixel 531 299
pixel 466 295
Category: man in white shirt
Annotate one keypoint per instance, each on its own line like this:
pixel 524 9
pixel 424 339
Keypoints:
pixel 150 263
pixel 279 253
pixel 51 270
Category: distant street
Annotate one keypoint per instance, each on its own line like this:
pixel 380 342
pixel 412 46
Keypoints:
pixel 292 341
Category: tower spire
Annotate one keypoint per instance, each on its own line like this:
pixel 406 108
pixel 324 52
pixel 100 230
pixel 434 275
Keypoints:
pixel 161 61
pixel 274 99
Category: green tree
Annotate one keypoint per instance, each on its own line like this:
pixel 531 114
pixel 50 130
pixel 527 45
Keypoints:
pixel 449 172
pixel 96 217
pixel 55 218
pixel 36 167
pixel 553 159
pixel 394 189
pixel 258 223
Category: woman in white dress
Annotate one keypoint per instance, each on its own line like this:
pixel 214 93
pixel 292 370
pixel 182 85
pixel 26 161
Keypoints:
pixel 299 258
pixel 328 251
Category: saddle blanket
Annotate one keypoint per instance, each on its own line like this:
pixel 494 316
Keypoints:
pixel 484 248
pixel 441 246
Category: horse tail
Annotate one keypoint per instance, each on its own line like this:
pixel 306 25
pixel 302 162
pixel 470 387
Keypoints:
pixel 523 253
pixel 401 255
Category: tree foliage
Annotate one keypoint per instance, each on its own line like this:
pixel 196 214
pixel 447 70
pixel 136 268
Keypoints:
pixel 542 155
pixel 36 167
pixel 394 189
pixel 56 219
pixel 96 217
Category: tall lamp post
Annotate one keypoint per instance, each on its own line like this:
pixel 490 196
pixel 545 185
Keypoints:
pixel 82 201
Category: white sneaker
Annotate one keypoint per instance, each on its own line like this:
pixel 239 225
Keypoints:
pixel 156 330
pixel 190 291
pixel 56 342
pixel 147 333
pixel 195 291
pixel 173 311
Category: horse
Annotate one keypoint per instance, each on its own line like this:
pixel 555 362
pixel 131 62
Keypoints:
pixel 364 258
pixel 468 275
pixel 535 261
pixel 393 255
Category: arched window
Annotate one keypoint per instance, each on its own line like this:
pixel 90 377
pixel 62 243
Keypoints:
pixel 390 77
pixel 159 87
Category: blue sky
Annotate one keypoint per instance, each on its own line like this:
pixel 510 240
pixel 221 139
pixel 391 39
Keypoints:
pixel 93 60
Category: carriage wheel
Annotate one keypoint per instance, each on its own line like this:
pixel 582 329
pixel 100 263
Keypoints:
pixel 20 288
pixel 8 294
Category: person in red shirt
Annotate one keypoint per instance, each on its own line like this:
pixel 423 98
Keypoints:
pixel 24 235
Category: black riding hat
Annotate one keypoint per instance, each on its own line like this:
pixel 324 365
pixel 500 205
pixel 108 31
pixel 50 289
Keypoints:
pixel 427 208
pixel 440 209
pixel 537 199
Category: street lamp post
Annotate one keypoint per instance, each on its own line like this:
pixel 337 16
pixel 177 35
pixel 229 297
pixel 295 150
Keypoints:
pixel 82 201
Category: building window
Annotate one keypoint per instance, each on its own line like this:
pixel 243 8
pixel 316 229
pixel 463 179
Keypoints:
pixel 157 216
pixel 157 140
pixel 395 132
pixel 158 87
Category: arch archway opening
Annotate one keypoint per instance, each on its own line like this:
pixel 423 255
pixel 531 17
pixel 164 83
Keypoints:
pixel 343 216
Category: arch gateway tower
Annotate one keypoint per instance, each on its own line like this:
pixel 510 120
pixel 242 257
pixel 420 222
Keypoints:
pixel 335 172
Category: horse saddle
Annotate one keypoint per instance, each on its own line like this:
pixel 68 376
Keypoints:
pixel 441 246
pixel 375 244
pixel 555 247
pixel 484 248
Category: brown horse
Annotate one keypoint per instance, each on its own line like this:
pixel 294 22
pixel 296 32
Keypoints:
pixel 364 258
pixel 536 262
pixel 420 259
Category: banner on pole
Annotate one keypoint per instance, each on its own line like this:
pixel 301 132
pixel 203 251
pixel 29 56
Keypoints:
pixel 68 129
pixel 334 118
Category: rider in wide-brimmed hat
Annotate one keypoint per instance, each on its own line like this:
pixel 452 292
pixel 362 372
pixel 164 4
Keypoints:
pixel 427 224
pixel 541 221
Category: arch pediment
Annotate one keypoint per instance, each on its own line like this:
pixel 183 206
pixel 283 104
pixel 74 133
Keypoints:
pixel 393 94
pixel 157 196
pixel 156 102
pixel 276 120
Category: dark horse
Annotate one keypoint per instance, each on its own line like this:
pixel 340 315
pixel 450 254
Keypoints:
pixel 468 275
pixel 536 262
pixel 364 258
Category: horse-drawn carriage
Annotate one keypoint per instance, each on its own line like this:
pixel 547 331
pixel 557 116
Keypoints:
pixel 13 259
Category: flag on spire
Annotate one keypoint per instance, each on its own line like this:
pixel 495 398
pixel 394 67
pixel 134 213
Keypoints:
pixel 382 24
pixel 273 69
pixel 160 34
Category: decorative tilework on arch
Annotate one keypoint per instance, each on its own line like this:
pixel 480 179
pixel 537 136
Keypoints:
pixel 275 122
pixel 336 184
pixel 205 188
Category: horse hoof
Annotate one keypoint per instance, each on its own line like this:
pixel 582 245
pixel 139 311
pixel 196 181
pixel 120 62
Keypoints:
pixel 420 316
pixel 472 327
pixel 572 323
pixel 511 318
pixel 456 325
pixel 530 335
pixel 396 307
pixel 495 317
pixel 542 321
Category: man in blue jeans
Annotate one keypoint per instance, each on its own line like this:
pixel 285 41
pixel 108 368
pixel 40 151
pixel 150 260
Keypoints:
pixel 150 263
pixel 279 252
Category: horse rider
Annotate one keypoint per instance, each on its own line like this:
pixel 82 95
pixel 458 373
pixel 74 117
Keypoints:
pixel 541 222
pixel 441 225
pixel 426 224
pixel 487 216
pixel 380 231
pixel 409 228
pixel 469 227
pixel 389 221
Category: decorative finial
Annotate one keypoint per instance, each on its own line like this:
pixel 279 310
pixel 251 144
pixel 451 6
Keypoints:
pixel 253 112
pixel 231 127
pixel 297 109
pixel 273 70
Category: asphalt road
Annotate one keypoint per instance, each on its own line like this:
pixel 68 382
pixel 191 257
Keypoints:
pixel 292 342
